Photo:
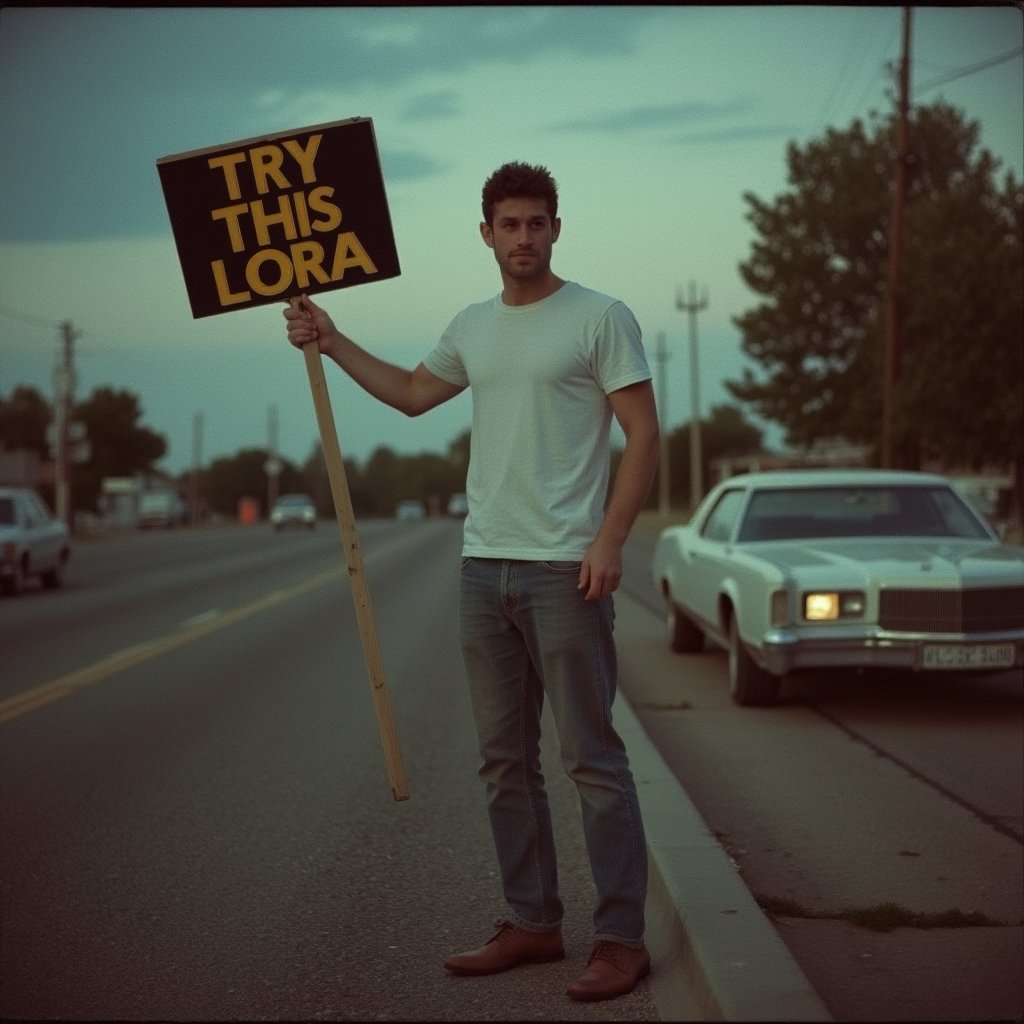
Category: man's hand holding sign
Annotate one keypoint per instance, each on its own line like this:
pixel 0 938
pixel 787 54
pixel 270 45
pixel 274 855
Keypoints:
pixel 264 220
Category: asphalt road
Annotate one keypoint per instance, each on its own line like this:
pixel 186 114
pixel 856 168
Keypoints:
pixel 197 822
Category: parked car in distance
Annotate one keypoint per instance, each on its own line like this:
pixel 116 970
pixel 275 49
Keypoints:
pixel 293 510
pixel 413 508
pixel 818 569
pixel 458 506
pixel 161 508
pixel 33 542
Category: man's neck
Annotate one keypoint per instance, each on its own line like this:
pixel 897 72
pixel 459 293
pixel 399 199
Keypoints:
pixel 518 292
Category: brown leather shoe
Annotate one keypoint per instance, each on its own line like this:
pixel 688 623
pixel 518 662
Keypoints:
pixel 506 948
pixel 612 970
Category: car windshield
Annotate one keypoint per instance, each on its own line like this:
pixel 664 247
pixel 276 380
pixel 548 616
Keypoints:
pixel 7 512
pixel 295 499
pixel 795 513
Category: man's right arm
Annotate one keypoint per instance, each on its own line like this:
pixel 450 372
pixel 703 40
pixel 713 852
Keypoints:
pixel 410 391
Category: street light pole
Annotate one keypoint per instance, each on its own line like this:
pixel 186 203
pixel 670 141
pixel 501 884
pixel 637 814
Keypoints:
pixel 64 387
pixel 693 307
pixel 891 354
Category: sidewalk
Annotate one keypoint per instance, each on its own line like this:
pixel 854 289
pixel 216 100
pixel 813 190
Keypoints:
pixel 716 956
pixel 730 962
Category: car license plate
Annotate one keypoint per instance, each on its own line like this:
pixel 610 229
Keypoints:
pixel 960 656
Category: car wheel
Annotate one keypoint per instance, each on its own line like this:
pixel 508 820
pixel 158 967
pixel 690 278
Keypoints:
pixel 54 577
pixel 683 636
pixel 15 583
pixel 749 684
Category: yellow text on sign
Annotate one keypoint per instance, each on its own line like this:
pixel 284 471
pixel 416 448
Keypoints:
pixel 299 259
pixel 266 165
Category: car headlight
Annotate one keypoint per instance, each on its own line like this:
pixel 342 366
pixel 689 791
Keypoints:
pixel 829 605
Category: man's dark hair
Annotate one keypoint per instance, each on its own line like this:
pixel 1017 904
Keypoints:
pixel 517 181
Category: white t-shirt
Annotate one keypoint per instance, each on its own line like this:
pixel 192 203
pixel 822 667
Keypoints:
pixel 540 377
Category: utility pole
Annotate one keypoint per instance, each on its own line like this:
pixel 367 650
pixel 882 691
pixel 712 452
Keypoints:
pixel 273 466
pixel 693 307
pixel 64 390
pixel 197 460
pixel 664 488
pixel 891 355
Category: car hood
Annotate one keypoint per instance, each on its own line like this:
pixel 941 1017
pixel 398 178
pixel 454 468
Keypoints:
pixel 900 560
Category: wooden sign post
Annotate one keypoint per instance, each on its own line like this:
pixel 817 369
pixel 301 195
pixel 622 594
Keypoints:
pixel 263 220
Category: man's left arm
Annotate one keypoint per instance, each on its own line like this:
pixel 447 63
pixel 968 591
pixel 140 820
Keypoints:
pixel 637 414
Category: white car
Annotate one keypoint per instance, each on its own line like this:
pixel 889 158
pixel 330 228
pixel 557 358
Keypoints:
pixel 33 543
pixel 161 508
pixel 458 506
pixel 817 569
pixel 293 510
pixel 412 508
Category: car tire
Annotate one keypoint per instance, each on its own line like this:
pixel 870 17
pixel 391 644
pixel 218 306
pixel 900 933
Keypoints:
pixel 14 584
pixel 54 578
pixel 684 637
pixel 749 684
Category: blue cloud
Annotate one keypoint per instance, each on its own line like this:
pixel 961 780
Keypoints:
pixel 641 118
pixel 93 96
pixel 432 106
pixel 740 133
pixel 407 165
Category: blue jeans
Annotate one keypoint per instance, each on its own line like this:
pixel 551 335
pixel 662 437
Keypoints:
pixel 527 632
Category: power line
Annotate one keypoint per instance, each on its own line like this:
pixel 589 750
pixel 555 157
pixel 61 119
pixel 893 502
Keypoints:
pixel 848 81
pixel 970 69
pixel 13 314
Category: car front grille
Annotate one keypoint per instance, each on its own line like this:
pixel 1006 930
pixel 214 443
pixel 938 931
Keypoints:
pixel 987 610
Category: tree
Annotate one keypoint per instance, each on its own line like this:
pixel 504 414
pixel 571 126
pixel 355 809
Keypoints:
pixel 244 475
pixel 725 432
pixel 119 445
pixel 23 421
pixel 821 264
pixel 458 452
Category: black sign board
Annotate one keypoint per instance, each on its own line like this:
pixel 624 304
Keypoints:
pixel 263 220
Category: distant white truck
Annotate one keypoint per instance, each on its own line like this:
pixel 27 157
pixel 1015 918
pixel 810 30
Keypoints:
pixel 160 508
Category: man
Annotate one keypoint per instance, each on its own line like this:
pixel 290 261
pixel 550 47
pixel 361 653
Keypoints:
pixel 549 363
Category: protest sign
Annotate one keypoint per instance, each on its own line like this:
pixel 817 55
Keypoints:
pixel 265 219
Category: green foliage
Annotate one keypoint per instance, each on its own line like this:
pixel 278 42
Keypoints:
pixel 821 264
pixel 24 418
pixel 119 444
pixel 723 433
pixel 389 477
pixel 242 475
pixel 880 917
pixel 375 488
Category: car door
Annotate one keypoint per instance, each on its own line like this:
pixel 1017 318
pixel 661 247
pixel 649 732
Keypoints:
pixel 709 557
pixel 42 534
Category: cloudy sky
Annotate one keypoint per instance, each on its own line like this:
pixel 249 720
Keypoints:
pixel 654 120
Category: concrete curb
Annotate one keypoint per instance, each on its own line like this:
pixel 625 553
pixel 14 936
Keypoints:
pixel 716 954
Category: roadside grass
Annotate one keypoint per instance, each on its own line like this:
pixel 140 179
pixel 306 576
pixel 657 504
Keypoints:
pixel 882 917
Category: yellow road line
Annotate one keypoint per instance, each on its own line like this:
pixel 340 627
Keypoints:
pixel 65 685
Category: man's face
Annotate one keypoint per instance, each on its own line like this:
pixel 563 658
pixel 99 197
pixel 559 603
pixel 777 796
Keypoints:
pixel 521 235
